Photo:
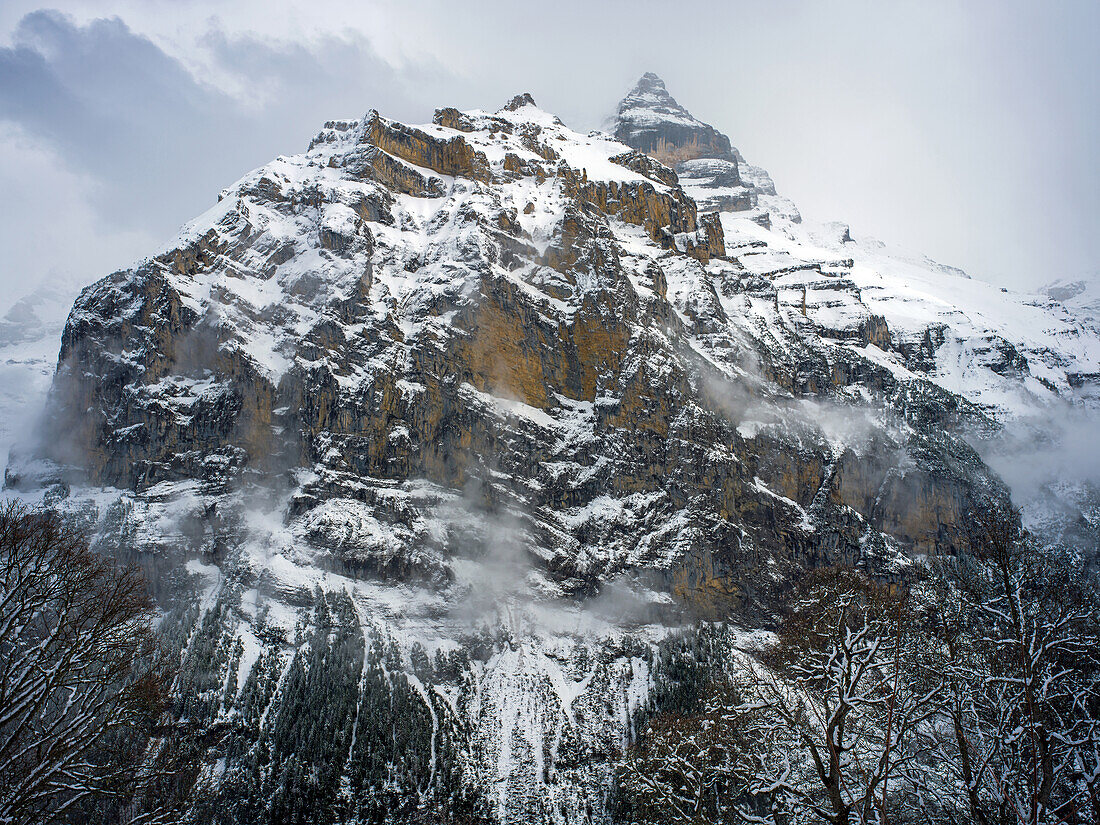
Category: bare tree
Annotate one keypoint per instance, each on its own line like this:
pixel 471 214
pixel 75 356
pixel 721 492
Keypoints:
pixel 837 709
pixel 970 696
pixel 78 689
pixel 1017 632
pixel 825 726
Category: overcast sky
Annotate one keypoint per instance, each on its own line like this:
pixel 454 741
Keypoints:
pixel 964 130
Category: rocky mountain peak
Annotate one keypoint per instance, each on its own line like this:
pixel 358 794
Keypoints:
pixel 651 83
pixel 712 171
pixel 651 94
pixel 519 101
pixel 650 119
pixel 403 301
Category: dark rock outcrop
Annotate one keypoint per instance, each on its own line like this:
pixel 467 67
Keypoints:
pixel 650 120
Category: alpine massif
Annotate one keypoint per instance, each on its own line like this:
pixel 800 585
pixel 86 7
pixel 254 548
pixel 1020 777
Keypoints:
pixel 429 436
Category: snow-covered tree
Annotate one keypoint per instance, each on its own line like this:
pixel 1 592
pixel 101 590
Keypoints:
pixel 77 687
pixel 1017 631
pixel 835 712
pixel 684 766
pixel 822 727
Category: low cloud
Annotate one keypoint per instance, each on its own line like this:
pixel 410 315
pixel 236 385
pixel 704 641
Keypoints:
pixel 1052 466
pixel 1060 448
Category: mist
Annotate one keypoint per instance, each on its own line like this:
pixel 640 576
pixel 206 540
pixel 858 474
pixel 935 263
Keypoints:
pixel 1051 464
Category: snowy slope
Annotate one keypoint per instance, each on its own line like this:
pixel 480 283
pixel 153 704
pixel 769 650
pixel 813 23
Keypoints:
pixel 1008 352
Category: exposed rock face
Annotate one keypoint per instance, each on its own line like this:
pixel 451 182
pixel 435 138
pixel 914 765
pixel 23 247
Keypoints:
pixel 643 164
pixel 453 156
pixel 519 101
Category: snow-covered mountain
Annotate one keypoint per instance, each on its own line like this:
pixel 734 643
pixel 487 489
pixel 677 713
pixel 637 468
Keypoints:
pixel 460 418
pixel 30 332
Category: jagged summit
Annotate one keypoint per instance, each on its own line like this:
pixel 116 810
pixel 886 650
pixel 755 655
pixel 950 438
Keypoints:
pixel 651 120
pixel 519 101
pixel 711 169
pixel 648 82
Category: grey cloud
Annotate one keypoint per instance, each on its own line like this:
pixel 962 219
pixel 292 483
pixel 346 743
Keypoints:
pixel 160 143
pixel 114 106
